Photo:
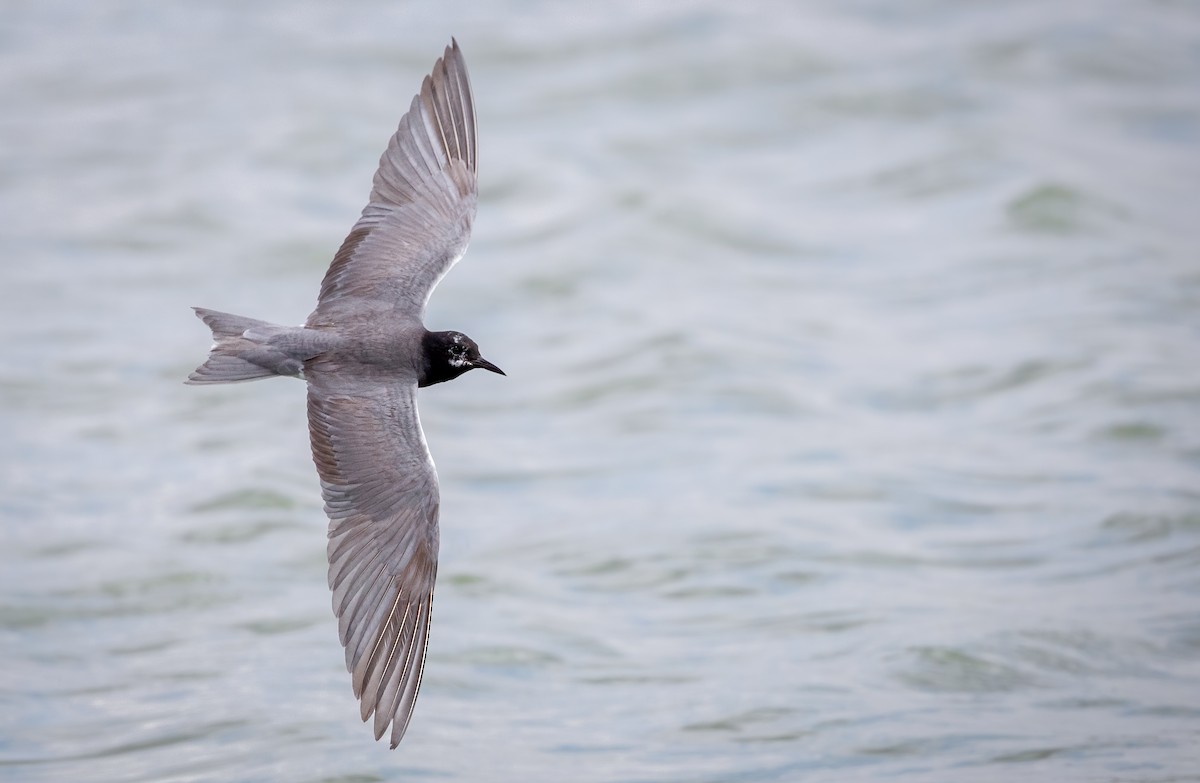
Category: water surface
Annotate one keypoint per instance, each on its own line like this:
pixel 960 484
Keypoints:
pixel 851 429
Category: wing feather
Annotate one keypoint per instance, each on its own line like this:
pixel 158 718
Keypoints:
pixel 381 496
pixel 417 222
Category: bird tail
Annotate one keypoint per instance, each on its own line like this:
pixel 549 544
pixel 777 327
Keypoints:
pixel 240 351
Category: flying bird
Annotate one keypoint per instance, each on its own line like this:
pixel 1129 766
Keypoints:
pixel 363 352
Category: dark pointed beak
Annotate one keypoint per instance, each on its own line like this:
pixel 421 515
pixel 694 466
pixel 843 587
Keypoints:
pixel 484 364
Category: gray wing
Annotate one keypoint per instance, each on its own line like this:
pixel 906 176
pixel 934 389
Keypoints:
pixel 418 221
pixel 381 495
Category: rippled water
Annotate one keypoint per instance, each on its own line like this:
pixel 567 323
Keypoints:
pixel 851 432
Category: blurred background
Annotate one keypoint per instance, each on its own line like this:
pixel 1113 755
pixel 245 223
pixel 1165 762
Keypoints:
pixel 852 421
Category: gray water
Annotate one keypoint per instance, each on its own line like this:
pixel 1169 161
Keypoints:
pixel 851 429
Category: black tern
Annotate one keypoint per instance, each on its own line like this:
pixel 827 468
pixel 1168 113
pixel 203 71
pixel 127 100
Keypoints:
pixel 363 353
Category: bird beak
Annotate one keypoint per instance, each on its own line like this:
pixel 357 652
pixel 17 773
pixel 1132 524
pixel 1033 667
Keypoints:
pixel 484 364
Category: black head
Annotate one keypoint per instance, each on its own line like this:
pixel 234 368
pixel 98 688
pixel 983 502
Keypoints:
pixel 448 355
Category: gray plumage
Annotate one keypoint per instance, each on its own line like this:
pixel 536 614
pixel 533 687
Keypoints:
pixel 363 352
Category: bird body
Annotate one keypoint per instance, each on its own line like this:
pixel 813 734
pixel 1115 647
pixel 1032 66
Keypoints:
pixel 363 352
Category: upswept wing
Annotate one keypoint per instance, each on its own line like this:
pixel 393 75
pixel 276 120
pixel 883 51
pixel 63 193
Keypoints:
pixel 418 221
pixel 381 495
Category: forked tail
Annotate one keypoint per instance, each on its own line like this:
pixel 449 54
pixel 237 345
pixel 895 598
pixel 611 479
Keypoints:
pixel 242 350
